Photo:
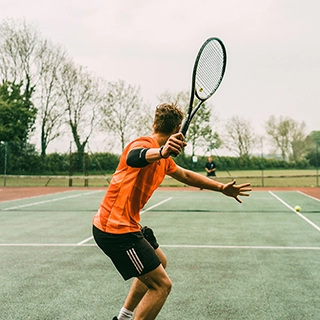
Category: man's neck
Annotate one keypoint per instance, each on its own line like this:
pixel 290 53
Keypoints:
pixel 160 138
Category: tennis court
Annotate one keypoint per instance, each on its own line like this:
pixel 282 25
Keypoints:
pixel 256 260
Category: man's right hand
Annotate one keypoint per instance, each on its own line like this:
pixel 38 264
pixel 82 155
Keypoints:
pixel 174 145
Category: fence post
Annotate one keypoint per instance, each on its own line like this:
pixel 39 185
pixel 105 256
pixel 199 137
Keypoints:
pixel 317 161
pixel 70 169
pixel 5 163
pixel 262 164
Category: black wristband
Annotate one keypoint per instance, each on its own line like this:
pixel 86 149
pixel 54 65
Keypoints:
pixel 160 151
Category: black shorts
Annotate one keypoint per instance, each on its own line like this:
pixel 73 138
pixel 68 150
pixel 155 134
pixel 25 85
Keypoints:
pixel 131 253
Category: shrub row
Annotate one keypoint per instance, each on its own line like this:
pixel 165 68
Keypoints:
pixel 28 161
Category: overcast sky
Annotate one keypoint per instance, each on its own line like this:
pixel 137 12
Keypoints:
pixel 273 48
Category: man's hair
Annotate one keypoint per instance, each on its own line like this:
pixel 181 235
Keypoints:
pixel 168 116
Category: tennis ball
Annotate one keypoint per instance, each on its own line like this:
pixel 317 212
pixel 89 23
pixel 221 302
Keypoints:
pixel 297 208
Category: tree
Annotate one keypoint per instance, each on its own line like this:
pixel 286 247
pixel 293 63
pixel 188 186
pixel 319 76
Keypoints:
pixel 17 113
pixel 288 136
pixel 49 95
pixel 25 57
pixel 313 148
pixel 298 141
pixel 200 133
pixel 145 121
pixel 82 96
pixel 241 138
pixel 123 112
pixel 20 50
pixel 279 131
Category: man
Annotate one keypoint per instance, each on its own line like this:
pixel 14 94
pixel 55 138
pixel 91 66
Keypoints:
pixel 211 168
pixel 116 229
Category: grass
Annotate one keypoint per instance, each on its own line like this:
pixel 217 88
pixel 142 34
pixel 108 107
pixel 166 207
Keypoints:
pixel 267 178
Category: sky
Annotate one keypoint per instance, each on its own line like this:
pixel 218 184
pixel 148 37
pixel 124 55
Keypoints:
pixel 273 48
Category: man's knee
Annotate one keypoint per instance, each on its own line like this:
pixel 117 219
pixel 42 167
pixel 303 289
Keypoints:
pixel 168 286
pixel 158 280
pixel 165 288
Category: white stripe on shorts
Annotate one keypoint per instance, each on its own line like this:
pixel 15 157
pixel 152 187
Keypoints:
pixel 135 260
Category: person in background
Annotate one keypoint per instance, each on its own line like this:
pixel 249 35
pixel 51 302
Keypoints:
pixel 211 168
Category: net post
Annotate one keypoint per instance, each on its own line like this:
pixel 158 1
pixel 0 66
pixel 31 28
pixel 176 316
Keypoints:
pixel 70 169
pixel 86 180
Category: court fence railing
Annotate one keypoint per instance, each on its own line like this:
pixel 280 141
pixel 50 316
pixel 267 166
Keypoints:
pixel 274 180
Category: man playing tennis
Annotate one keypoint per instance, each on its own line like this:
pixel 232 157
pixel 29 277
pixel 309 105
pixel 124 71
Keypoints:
pixel 134 250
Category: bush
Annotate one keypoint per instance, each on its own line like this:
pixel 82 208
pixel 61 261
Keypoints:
pixel 103 163
pixel 24 159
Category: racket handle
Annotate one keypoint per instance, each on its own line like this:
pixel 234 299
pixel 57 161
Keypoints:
pixel 185 126
pixel 183 130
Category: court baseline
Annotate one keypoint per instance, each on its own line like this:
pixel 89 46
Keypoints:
pixel 180 246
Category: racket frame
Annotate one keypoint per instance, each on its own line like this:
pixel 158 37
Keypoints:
pixel 192 111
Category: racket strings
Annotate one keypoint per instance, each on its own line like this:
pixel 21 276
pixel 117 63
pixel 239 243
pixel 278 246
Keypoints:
pixel 210 70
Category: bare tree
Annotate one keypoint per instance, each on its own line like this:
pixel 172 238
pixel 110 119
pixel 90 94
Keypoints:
pixel 241 138
pixel 49 95
pixel 21 49
pixel 288 136
pixel 26 57
pixel 144 122
pixel 123 111
pixel 181 98
pixel 82 96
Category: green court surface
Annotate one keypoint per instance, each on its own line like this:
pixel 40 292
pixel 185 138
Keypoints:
pixel 256 260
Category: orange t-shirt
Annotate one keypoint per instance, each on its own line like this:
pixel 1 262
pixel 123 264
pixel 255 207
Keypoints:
pixel 130 189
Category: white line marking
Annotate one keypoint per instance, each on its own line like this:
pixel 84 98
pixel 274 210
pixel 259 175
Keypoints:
pixel 239 247
pixel 156 205
pixel 38 245
pixel 47 201
pixel 163 246
pixel 311 197
pixel 32 197
pixel 84 241
pixel 81 243
pixel 298 213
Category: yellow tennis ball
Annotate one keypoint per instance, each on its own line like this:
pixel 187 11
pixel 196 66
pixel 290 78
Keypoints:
pixel 297 208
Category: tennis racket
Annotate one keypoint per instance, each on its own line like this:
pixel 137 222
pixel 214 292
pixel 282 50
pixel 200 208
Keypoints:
pixel 208 72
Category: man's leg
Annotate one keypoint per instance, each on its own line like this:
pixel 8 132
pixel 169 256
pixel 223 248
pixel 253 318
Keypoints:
pixel 159 286
pixel 138 288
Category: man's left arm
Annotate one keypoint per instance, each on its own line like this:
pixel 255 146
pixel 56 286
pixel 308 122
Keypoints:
pixel 194 179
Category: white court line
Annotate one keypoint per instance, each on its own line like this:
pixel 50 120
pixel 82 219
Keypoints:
pixel 47 201
pixel 143 211
pixel 298 213
pixel 240 247
pixel 84 241
pixel 32 197
pixel 156 205
pixel 180 246
pixel 311 197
